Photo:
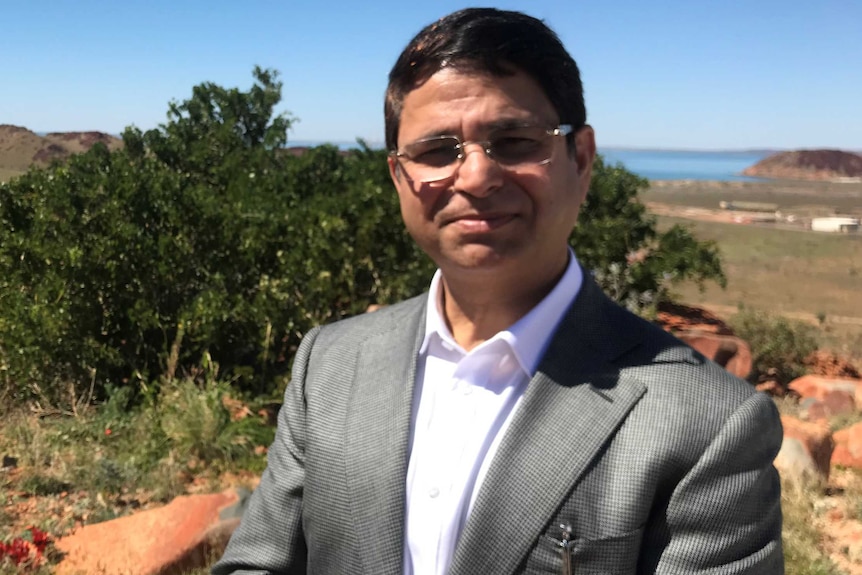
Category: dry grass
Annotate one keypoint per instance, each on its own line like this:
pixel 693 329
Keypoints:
pixel 7 174
pixel 783 271
pixel 804 552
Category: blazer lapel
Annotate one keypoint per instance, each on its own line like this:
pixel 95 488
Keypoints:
pixel 376 444
pixel 572 406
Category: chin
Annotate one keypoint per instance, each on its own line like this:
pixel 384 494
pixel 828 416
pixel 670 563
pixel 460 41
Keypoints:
pixel 478 258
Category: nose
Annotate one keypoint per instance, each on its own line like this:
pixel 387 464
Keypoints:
pixel 478 175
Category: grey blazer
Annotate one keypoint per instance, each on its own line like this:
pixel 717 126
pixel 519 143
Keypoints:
pixel 658 460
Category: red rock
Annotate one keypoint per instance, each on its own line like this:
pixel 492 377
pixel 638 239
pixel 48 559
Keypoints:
pixel 824 362
pixel 728 351
pixel 808 165
pixel 676 317
pixel 818 386
pixel 238 410
pixel 172 539
pixel 806 449
pixel 848 447
pixel 770 387
pixel 834 403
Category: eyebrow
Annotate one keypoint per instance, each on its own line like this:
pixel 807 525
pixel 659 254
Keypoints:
pixel 510 124
pixel 500 125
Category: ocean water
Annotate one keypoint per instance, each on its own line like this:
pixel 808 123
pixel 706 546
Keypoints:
pixel 684 165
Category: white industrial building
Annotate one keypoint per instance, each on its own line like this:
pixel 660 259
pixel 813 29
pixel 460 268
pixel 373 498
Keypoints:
pixel 835 224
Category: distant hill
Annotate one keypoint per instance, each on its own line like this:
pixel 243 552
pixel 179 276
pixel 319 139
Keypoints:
pixel 808 165
pixel 20 148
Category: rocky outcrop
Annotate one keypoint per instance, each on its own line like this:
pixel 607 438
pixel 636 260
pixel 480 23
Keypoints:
pixel 823 362
pixel 728 351
pixel 848 447
pixel 169 540
pixel 806 451
pixel 675 317
pixel 808 165
pixel 821 387
pixel 21 148
pixel 708 334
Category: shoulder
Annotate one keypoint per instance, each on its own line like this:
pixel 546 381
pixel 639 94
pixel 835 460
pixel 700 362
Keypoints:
pixel 670 367
pixel 394 322
pixel 642 350
pixel 680 386
pixel 687 394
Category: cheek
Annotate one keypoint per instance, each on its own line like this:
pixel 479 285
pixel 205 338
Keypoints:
pixel 421 205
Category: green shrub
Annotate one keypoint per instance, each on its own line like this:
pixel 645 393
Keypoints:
pixel 779 346
pixel 199 237
pixel 36 483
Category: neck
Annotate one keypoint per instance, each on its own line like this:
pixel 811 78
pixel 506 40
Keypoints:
pixel 475 309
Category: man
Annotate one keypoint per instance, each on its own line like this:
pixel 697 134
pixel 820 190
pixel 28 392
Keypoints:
pixel 513 420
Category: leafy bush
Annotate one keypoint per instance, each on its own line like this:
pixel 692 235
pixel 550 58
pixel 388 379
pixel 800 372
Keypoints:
pixel 779 346
pixel 199 237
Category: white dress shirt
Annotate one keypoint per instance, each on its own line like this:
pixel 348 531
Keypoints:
pixel 463 404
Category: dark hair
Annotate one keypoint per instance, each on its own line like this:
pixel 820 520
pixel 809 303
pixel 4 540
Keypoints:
pixel 492 41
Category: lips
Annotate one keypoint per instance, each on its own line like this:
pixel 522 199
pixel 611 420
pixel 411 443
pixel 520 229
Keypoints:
pixel 479 222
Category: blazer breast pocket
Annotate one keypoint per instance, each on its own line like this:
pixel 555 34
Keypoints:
pixel 614 555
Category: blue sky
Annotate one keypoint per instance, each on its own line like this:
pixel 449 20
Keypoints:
pixel 704 74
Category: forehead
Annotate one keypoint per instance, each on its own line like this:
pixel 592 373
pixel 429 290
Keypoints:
pixel 472 103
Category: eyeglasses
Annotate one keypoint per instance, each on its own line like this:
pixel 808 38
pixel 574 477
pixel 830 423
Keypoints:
pixel 438 158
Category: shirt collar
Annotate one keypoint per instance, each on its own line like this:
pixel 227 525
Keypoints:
pixel 529 336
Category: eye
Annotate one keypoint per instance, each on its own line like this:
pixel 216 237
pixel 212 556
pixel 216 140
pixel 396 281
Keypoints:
pixel 516 147
pixel 434 152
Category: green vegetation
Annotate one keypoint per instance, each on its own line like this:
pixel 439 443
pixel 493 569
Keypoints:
pixel 203 239
pixel 779 345
pixel 200 237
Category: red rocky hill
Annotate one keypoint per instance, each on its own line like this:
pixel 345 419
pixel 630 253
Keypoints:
pixel 808 165
pixel 20 148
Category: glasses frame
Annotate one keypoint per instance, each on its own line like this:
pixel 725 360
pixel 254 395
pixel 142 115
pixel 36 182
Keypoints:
pixel 560 130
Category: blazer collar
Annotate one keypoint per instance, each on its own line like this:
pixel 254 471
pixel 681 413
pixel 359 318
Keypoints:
pixel 571 407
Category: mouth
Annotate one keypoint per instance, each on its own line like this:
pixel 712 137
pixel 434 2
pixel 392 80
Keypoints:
pixel 480 223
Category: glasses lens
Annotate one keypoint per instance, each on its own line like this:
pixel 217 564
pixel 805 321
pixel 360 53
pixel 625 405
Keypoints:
pixel 527 145
pixel 431 159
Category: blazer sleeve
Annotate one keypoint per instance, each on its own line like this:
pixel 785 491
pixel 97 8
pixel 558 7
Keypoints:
pixel 724 517
pixel 270 538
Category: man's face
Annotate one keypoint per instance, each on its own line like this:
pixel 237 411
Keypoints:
pixel 488 220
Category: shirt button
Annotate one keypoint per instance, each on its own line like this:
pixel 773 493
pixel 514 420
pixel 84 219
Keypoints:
pixel 433 492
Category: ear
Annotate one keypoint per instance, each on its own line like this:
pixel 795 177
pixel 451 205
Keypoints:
pixel 585 153
pixel 394 169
